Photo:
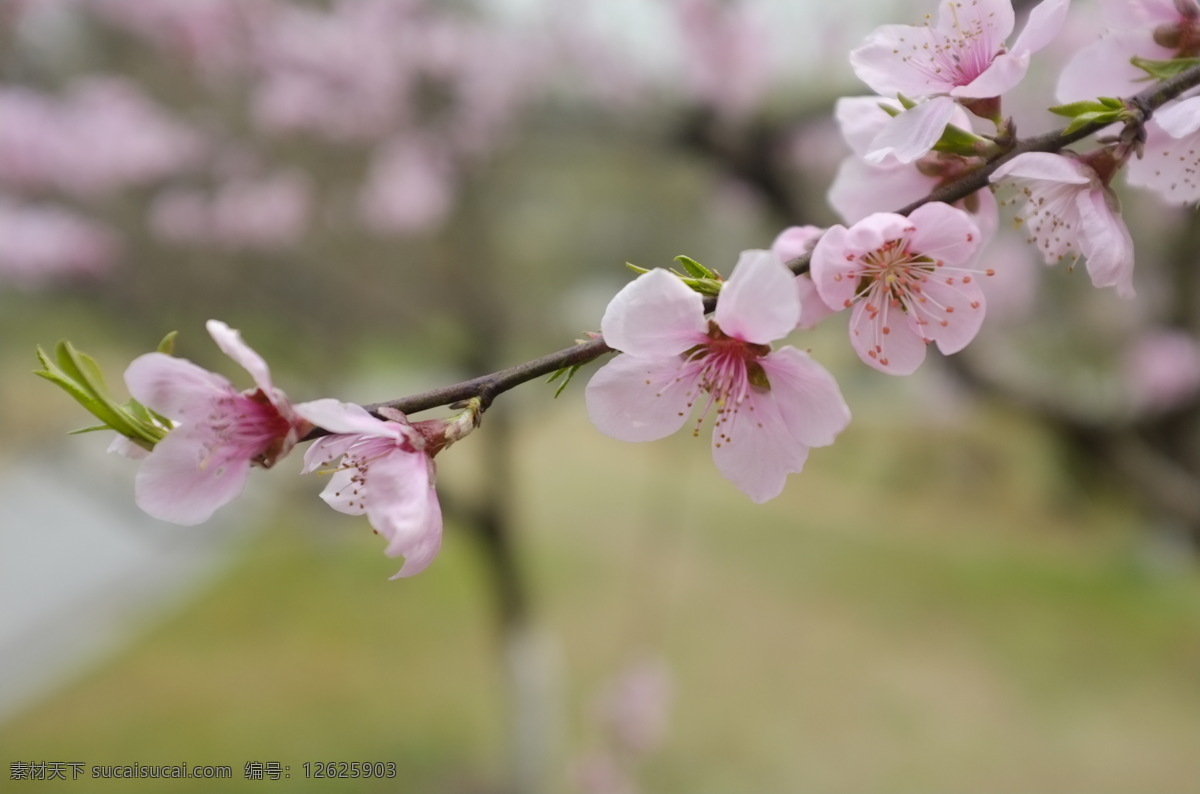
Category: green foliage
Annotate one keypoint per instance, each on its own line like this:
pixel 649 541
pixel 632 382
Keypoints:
pixel 1163 70
pixel 78 375
pixel 568 372
pixel 1106 110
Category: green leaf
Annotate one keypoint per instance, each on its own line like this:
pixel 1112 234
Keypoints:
pixel 569 372
pixel 636 269
pixel 956 140
pixel 1162 70
pixel 1104 118
pixel 694 268
pixel 167 345
pixel 1073 109
pixel 79 376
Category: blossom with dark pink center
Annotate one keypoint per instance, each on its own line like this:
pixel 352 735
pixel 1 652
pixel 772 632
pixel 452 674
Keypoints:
pixel 386 472
pixel 219 431
pixel 770 405
pixel 909 280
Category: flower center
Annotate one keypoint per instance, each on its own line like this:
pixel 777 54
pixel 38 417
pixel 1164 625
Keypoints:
pixel 727 369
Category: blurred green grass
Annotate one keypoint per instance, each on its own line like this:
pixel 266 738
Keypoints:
pixel 928 607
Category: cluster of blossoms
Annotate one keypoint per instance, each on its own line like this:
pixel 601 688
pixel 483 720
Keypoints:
pixel 910 279
pixel 217 433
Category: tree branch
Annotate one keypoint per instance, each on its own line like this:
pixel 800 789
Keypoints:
pixel 489 387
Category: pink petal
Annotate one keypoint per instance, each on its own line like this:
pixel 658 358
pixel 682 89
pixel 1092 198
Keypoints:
pixel 982 25
pixel 878 62
pixel 347 418
pixel 757 452
pixel 913 132
pixel 419 554
pixel 1005 73
pixel 181 481
pixel 639 399
pixel 860 119
pixel 1106 243
pixel 1139 13
pixel 326 450
pixel 759 303
pixel 952 312
pixel 812 309
pixel 1042 26
pixel 860 188
pixel 1180 119
pixel 653 316
pixel 343 492
pixel 888 343
pixel 1044 166
pixel 231 344
pixel 401 506
pixel 1170 166
pixel 174 387
pixel 807 397
pixel 943 232
pixel 796 241
pixel 833 268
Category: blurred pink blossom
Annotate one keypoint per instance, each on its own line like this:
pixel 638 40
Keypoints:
pixel 343 74
pixel 245 213
pixel 268 213
pixel 43 242
pixel 410 188
pixel 213 35
pixel 103 136
pixel 725 54
pixel 1161 370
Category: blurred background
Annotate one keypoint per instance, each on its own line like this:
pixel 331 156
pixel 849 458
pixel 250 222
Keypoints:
pixel 988 584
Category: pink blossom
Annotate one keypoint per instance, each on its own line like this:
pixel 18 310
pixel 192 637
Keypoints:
pixel 1071 213
pixel 962 57
pixel 796 241
pixel 105 135
pixel 202 463
pixel 1170 162
pixel 212 34
pixel 267 213
pixel 385 472
pixel 43 242
pixel 771 406
pixel 908 280
pixel 861 188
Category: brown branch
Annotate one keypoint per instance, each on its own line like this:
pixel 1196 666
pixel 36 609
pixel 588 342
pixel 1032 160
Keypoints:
pixel 489 387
